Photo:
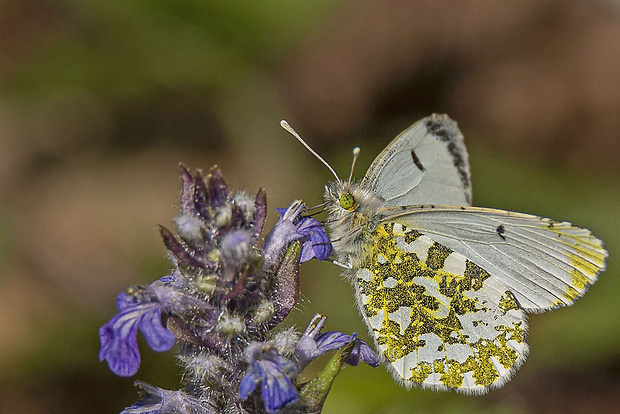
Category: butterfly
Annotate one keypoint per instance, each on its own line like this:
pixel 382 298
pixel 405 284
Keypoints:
pixel 445 287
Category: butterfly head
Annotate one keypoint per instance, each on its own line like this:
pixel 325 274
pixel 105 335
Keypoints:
pixel 350 197
pixel 351 206
pixel 352 213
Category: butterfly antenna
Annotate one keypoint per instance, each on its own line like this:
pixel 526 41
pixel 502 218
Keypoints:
pixel 318 206
pixel 356 153
pixel 318 209
pixel 290 129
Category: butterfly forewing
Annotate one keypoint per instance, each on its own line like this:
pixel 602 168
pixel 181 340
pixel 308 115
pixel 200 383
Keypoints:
pixel 544 263
pixel 439 320
pixel 426 163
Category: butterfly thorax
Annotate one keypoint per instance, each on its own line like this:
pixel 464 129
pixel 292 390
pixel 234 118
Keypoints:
pixel 352 216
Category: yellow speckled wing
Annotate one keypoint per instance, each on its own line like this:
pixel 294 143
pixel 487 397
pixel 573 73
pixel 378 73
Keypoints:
pixel 439 320
pixel 544 263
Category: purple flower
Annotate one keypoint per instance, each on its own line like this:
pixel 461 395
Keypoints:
pixel 159 401
pixel 210 214
pixel 224 296
pixel 361 350
pixel 316 243
pixel 273 372
pixel 283 234
pixel 290 227
pixel 313 344
pixel 119 346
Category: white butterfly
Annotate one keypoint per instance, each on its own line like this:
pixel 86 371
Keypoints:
pixel 444 287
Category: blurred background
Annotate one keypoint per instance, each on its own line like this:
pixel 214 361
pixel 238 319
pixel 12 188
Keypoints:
pixel 100 101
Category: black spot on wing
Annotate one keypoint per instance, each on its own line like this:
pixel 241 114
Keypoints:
pixel 436 128
pixel 459 163
pixel 501 231
pixel 416 161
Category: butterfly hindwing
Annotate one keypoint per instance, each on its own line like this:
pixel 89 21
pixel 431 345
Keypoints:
pixel 545 263
pixel 439 320
pixel 426 163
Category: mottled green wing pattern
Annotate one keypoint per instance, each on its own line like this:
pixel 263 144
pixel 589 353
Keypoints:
pixel 439 320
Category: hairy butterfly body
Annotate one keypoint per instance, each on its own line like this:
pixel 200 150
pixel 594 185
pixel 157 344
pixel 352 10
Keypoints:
pixel 444 287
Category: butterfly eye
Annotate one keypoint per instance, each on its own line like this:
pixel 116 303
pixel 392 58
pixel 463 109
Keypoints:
pixel 347 201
